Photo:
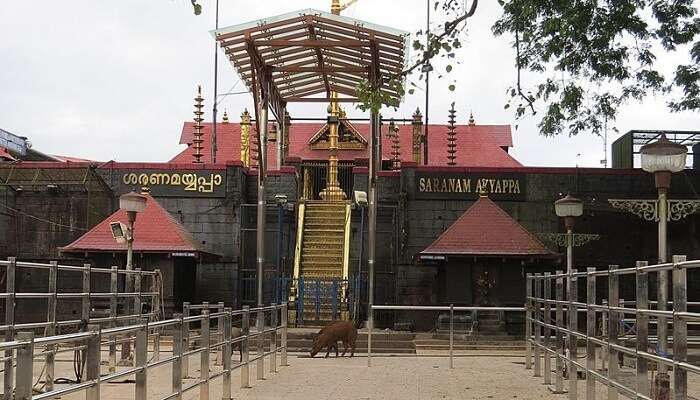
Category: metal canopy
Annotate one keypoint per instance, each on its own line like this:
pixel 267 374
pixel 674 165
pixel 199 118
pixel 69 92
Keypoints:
pixel 298 56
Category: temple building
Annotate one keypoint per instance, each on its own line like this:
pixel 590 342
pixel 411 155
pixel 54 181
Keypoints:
pixel 459 219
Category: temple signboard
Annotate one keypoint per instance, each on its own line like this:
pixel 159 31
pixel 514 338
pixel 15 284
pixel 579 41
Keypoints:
pixel 176 183
pixel 469 185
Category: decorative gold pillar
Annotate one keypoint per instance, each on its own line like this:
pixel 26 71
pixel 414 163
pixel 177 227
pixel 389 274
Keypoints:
pixel 417 136
pixel 333 192
pixel 395 146
pixel 245 138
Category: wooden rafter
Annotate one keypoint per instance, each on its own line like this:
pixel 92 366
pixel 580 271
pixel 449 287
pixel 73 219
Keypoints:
pixel 319 55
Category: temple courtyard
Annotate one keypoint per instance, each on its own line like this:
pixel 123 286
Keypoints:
pixel 476 375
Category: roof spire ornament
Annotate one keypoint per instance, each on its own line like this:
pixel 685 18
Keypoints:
pixel 395 146
pixel 224 120
pixel 471 118
pixel 451 137
pixel 197 140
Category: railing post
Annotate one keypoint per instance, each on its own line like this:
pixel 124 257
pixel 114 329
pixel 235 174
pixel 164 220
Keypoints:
pixel 370 322
pixel 10 305
pixel 318 299
pixel 204 360
pixel 537 325
pixel 177 354
pixel 283 360
pixel 613 329
pixel 220 327
pixel 452 320
pixel 155 300
pixel 590 332
pixel 260 327
pixel 25 367
pixel 113 291
pixel 300 300
pixel 245 332
pixel 528 321
pixel 573 339
pixel 92 370
pixel 185 339
pixel 559 379
pixel 642 323
pixel 226 355
pixel 156 345
pixel 141 359
pixel 51 327
pixel 273 338
pixel 547 331
pixel 680 328
pixel 334 299
pixel 138 309
pixel 85 299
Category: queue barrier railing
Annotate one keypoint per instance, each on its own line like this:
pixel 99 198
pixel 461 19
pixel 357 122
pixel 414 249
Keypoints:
pixel 207 341
pixel 540 329
pixel 133 311
pixel 451 308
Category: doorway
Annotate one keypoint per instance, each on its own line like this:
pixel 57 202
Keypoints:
pixel 184 280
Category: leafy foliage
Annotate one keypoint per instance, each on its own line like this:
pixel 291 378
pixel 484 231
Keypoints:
pixel 585 58
pixel 592 56
pixel 441 42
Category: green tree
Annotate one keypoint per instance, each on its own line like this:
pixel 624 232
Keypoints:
pixel 583 59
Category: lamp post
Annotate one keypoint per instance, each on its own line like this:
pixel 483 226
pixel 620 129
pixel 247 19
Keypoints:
pixel 281 200
pixel 568 208
pixel 662 158
pixel 133 203
pixel 361 202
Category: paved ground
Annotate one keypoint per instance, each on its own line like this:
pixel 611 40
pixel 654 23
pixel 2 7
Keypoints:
pixel 475 376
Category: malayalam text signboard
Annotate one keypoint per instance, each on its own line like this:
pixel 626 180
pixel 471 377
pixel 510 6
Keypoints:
pixel 176 183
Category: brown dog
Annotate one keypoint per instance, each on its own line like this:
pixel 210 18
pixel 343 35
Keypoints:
pixel 329 336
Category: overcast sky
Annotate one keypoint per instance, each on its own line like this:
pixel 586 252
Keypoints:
pixel 115 79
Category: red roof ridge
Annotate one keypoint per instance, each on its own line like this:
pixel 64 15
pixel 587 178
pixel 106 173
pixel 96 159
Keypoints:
pixel 156 230
pixel 500 235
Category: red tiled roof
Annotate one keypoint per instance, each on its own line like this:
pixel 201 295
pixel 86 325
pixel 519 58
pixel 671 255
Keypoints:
pixel 155 231
pixel 4 154
pixel 477 145
pixel 485 229
pixel 71 159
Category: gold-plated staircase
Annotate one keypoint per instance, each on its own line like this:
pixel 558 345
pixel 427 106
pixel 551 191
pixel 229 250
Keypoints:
pixel 321 256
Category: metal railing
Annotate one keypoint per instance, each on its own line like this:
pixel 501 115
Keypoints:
pixel 451 308
pixel 541 302
pixel 208 340
pixel 52 324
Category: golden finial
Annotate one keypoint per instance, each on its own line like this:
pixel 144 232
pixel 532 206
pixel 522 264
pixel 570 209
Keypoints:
pixel 197 140
pixel 395 146
pixel 225 118
pixel 451 137
pixel 336 7
pixel 471 118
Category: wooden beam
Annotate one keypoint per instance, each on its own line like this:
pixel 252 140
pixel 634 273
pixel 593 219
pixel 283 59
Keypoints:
pixel 325 69
pixel 263 27
pixel 319 55
pixel 311 43
pixel 321 99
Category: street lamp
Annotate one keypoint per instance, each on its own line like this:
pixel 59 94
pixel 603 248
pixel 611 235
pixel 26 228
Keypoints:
pixel 133 203
pixel 662 158
pixel 569 207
